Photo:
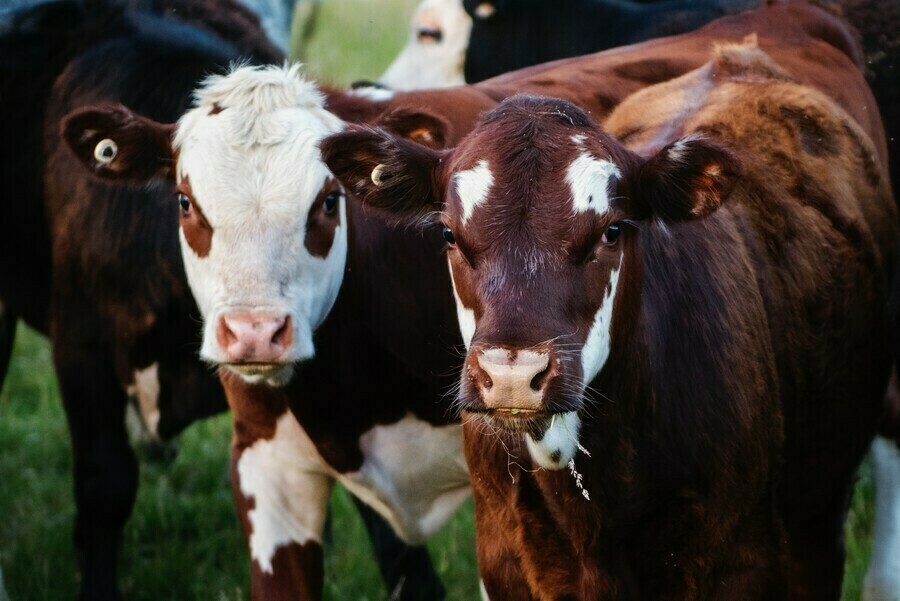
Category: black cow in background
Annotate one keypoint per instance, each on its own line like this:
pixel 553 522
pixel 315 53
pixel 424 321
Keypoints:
pixel 97 268
pixel 512 34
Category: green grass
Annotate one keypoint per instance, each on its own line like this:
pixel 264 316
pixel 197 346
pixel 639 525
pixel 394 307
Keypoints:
pixel 183 540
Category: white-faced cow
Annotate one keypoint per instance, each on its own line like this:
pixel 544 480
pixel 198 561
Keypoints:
pixel 97 267
pixel 385 352
pixel 275 254
pixel 699 306
pixel 436 50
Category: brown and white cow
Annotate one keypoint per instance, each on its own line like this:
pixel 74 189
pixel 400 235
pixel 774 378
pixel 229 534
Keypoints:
pixel 274 254
pixel 698 305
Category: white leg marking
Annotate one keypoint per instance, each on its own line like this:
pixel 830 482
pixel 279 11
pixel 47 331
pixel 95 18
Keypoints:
pixel 484 595
pixel 882 582
pixel 414 474
pixel 284 477
pixel 559 443
pixel 473 186
pixel 145 390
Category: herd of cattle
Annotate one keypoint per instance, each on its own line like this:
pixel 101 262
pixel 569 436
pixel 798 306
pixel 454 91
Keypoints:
pixel 663 346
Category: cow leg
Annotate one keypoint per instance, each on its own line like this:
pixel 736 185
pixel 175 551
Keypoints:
pixel 407 571
pixel 105 469
pixel 882 582
pixel 282 496
pixel 7 337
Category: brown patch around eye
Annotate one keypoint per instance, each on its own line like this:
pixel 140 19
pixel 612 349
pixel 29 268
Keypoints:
pixel 320 226
pixel 216 109
pixel 197 231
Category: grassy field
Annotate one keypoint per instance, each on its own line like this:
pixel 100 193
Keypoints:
pixel 183 541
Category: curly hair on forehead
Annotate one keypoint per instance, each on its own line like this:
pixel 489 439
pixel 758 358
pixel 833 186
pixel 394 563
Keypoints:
pixel 538 108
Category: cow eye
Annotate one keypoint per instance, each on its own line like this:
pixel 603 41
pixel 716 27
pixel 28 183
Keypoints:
pixel 448 236
pixel 184 202
pixel 331 202
pixel 611 234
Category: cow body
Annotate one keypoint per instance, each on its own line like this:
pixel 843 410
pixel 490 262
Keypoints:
pixel 512 34
pixel 699 367
pixel 97 267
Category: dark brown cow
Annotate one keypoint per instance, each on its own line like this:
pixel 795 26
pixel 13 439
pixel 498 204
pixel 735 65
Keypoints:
pixel 722 377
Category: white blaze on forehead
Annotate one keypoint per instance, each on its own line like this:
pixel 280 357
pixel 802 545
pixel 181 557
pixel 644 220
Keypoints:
pixel 588 178
pixel 597 346
pixel 559 443
pixel 373 93
pixel 473 186
pixel 285 480
pixel 250 148
pixel 882 580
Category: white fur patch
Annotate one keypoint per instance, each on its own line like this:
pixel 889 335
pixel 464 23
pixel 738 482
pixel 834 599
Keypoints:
pixel 588 179
pixel 473 186
pixel 250 149
pixel 414 474
pixel 464 315
pixel 145 390
pixel 286 480
pixel 596 348
pixel 882 582
pixel 559 443
pixel 373 93
pixel 428 64
pixel 484 595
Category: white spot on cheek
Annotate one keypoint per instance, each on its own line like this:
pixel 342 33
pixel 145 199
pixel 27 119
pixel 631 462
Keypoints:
pixel 882 580
pixel 284 479
pixel 596 348
pixel 559 444
pixel 472 187
pixel 465 316
pixel 588 179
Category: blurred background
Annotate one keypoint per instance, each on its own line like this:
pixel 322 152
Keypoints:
pixel 183 540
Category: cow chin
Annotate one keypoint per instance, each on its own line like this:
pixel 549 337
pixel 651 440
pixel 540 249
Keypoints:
pixel 552 438
pixel 556 446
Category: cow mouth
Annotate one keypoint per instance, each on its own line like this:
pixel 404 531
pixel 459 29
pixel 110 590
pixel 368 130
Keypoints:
pixel 515 420
pixel 253 372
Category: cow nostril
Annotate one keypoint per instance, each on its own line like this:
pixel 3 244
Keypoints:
pixel 227 337
pixel 282 336
pixel 539 380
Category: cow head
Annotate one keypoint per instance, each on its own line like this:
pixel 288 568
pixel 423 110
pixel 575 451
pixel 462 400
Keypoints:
pixel 264 242
pixel 541 211
pixel 436 51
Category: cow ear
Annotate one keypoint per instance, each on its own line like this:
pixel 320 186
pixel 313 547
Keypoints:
pixel 117 144
pixel 688 179
pixel 393 176
pixel 423 128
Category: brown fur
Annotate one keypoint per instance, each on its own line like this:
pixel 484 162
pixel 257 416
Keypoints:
pixel 750 349
pixel 320 225
pixel 197 231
